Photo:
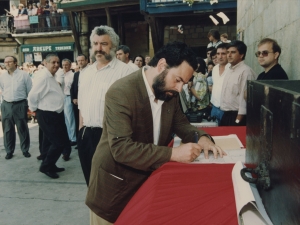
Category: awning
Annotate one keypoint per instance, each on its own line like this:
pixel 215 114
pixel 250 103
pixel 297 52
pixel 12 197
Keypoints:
pixel 62 47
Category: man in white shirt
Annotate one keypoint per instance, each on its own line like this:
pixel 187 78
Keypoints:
pixel 46 98
pixel 218 73
pixel 123 52
pixel 15 85
pixel 94 82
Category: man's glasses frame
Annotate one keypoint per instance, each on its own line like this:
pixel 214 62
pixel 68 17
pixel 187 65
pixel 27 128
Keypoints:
pixel 263 53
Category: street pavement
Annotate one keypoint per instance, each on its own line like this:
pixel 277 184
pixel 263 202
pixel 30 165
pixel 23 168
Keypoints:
pixel 29 197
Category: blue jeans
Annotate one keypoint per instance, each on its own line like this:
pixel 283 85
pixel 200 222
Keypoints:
pixel 64 21
pixel 69 118
pixel 217 112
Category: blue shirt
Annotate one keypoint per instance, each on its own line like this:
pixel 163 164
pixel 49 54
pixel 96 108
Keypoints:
pixel 15 87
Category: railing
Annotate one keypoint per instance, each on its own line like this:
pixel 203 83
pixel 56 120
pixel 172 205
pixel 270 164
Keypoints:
pixel 34 24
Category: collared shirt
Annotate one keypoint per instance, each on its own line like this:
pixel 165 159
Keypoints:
pixel 155 108
pixel 81 72
pixel 15 87
pixel 68 80
pixel 217 80
pixel 94 84
pixel 234 87
pixel 46 93
pixel 214 44
pixel 133 66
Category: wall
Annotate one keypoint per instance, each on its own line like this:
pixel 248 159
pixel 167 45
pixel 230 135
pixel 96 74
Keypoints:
pixel 274 19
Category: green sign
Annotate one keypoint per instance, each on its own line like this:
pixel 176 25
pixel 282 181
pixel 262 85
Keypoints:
pixel 64 47
pixel 33 19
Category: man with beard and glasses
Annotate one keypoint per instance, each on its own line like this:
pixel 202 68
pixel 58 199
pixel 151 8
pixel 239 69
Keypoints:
pixel 94 82
pixel 141 114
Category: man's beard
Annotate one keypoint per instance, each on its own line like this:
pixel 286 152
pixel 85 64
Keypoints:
pixel 159 85
pixel 108 56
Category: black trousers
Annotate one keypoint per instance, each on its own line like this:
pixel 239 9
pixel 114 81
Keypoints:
pixel 15 113
pixel 87 141
pixel 55 137
pixel 229 118
pixel 76 115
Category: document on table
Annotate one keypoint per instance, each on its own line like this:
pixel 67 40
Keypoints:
pixel 249 207
pixel 229 143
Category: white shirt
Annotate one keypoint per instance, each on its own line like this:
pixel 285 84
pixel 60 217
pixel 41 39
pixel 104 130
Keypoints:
pixel 93 86
pixel 46 93
pixel 156 110
pixel 133 66
pixel 68 80
pixel 15 87
pixel 217 79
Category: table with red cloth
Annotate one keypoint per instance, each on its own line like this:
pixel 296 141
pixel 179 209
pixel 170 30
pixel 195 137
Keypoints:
pixel 184 194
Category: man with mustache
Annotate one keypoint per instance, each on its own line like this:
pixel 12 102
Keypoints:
pixel 141 114
pixel 94 82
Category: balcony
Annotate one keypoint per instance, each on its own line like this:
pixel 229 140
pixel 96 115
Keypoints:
pixel 35 26
pixel 173 6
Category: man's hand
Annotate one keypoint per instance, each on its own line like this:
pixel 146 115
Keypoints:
pixel 207 145
pixel 75 101
pixel 185 153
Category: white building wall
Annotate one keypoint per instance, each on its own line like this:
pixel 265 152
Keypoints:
pixel 276 19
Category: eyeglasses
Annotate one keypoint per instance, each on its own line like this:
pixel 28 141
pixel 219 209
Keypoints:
pixel 263 53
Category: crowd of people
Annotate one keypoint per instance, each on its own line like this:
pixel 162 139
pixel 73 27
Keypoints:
pixel 37 18
pixel 122 114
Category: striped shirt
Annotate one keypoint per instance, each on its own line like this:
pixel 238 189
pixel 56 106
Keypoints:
pixel 15 87
pixel 93 86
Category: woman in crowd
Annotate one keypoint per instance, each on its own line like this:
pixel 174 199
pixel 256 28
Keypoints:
pixel 199 90
pixel 139 61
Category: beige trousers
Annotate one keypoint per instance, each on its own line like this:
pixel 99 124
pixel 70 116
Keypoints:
pixel 96 220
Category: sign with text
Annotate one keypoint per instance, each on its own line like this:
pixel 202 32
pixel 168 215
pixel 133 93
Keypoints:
pixel 64 47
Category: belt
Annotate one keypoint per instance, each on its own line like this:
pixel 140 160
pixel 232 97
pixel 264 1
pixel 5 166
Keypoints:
pixel 14 102
pixel 93 128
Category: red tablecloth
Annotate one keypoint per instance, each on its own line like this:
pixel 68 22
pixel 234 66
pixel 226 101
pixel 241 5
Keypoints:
pixel 186 194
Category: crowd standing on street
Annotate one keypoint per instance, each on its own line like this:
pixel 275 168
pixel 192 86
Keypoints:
pixel 120 112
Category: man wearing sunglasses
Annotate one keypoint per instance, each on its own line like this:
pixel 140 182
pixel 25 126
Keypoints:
pixel 267 56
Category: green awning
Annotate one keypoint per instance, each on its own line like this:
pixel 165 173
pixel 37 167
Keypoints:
pixel 59 47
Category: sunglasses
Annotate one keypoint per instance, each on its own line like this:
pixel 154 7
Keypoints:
pixel 263 53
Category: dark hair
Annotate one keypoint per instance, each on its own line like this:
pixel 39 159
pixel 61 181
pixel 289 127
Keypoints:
pixel 222 45
pixel 83 56
pixel 202 66
pixel 224 35
pixel 210 49
pixel 210 63
pixel 124 48
pixel 213 53
pixel 240 46
pixel 142 59
pixel 175 53
pixel 214 33
pixel 14 58
pixel 275 45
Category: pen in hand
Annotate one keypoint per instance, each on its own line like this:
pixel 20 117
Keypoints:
pixel 196 137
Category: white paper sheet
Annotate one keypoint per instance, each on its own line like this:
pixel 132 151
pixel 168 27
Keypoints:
pixel 250 209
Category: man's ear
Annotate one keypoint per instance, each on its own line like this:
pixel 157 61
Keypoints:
pixel 276 54
pixel 162 65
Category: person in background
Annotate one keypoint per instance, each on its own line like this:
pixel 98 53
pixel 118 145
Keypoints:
pixel 233 101
pixel 214 38
pixel 213 56
pixel 224 38
pixel 40 13
pixel 47 99
pixel 47 13
pixel 147 59
pixel 93 84
pixel 139 61
pixel 123 52
pixel 208 51
pixel 267 55
pixel 15 85
pixel 82 62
